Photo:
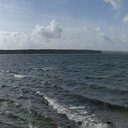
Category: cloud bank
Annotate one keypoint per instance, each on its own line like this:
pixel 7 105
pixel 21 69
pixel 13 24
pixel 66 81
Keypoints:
pixel 14 40
pixel 53 36
pixel 115 3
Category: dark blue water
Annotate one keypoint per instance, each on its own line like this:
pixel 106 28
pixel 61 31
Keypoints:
pixel 64 91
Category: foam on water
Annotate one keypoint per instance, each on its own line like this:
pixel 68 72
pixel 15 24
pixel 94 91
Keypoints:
pixel 18 76
pixel 76 113
pixel 31 126
pixel 44 68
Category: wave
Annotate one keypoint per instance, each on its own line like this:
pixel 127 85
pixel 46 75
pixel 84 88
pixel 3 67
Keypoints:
pixel 96 77
pixel 7 71
pixel 13 116
pixel 109 89
pixel 97 102
pixel 15 74
pixel 76 113
pixel 5 124
pixel 108 65
pixel 84 98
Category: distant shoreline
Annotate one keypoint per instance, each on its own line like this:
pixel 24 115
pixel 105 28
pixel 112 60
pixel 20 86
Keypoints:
pixel 50 51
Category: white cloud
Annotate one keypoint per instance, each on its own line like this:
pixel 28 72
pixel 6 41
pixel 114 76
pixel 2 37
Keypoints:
pixel 71 38
pixel 94 38
pixel 15 40
pixel 103 35
pixel 38 38
pixel 125 19
pixel 86 38
pixel 115 3
pixel 52 31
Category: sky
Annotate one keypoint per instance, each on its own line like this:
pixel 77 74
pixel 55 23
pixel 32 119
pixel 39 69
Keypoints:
pixel 64 24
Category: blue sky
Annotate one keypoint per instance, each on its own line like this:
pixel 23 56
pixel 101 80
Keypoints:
pixel 45 23
pixel 68 12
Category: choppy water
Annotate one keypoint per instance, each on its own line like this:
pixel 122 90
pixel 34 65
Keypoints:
pixel 64 91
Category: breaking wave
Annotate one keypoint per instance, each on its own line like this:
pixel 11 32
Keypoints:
pixel 76 113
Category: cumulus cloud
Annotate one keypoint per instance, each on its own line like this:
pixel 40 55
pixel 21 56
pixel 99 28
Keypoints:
pixel 125 19
pixel 39 36
pixel 11 39
pixel 115 3
pixel 52 31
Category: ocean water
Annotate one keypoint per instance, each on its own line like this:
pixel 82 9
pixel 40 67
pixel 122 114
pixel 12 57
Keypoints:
pixel 64 91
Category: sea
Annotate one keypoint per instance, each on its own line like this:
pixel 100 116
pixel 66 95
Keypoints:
pixel 64 91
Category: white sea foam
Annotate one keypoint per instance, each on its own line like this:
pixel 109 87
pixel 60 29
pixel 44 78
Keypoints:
pixel 76 113
pixel 44 68
pixel 19 76
pixel 77 107
pixel 31 126
pixel 47 68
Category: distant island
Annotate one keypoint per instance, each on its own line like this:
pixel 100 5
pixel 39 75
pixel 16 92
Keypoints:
pixel 50 51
